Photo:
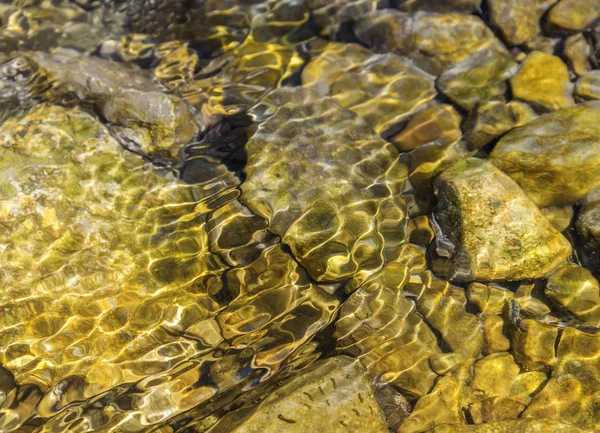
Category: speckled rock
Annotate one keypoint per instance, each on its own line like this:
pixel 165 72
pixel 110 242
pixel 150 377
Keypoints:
pixel 491 119
pixel 543 81
pixel 335 394
pixel 588 85
pixel 574 15
pixel 518 20
pixel 490 229
pixel 477 78
pixel 554 158
pixel 575 289
pixel 337 220
pixel 144 118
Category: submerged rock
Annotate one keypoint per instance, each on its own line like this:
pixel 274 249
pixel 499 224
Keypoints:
pixel 491 229
pixel 144 118
pixel 574 288
pixel 571 394
pixel 492 119
pixel 328 185
pixel 335 394
pixel 105 260
pixel 588 223
pixel 543 81
pixel 437 123
pixel 577 50
pixel 435 41
pixel 382 89
pixel 556 157
pixel 477 78
pixel 515 426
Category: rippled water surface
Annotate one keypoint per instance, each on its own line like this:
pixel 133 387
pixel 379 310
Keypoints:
pixel 245 216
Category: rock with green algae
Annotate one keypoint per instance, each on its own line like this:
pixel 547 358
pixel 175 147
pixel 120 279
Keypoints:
pixel 555 158
pixel 543 81
pixel 328 185
pixel 573 15
pixel 575 288
pixel 514 426
pixel 479 77
pixel 142 115
pixel 334 395
pixel 490 229
pixel 518 20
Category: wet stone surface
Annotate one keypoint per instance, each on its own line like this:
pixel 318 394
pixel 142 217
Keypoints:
pixel 245 216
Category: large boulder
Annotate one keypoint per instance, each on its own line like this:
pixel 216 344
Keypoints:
pixel 556 157
pixel 490 230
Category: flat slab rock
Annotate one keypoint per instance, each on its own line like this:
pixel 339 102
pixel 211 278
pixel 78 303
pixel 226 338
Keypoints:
pixel 555 158
pixel 334 396
pixel 491 229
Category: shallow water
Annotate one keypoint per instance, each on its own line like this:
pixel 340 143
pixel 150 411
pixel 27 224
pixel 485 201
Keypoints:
pixel 205 207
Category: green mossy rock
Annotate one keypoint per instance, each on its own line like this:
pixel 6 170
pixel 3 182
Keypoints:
pixel 491 229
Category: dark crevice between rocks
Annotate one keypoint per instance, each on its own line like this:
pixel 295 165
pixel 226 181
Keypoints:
pixel 222 144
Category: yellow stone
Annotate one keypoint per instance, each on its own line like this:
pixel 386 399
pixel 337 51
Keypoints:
pixel 543 81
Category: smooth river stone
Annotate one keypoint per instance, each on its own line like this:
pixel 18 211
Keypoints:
pixel 578 51
pixel 479 77
pixel 518 20
pixel 543 81
pixel 328 185
pixel 574 15
pixel 144 118
pixel 490 229
pixel 435 41
pixel 575 289
pixel 588 85
pixel 335 395
pixel 556 157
